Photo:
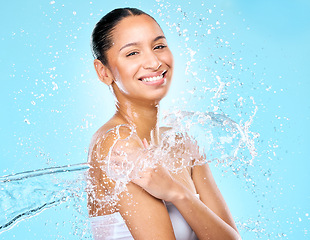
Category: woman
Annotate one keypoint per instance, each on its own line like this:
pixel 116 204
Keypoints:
pixel 132 57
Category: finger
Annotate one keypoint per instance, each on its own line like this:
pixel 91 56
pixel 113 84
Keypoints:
pixel 140 181
pixel 145 143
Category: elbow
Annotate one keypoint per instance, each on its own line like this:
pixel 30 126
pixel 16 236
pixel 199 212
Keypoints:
pixel 237 236
pixel 234 235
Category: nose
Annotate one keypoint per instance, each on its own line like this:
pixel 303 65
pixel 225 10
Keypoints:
pixel 151 61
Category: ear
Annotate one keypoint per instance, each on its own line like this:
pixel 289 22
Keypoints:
pixel 103 72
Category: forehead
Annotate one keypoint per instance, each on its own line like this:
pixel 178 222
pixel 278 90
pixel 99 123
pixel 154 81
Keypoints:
pixel 136 29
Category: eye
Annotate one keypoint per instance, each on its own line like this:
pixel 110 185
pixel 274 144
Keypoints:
pixel 161 46
pixel 131 54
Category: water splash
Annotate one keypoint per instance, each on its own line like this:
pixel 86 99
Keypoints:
pixel 26 194
pixel 219 138
pixel 211 71
pixel 188 139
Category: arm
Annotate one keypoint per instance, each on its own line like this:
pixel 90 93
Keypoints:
pixel 145 215
pixel 209 217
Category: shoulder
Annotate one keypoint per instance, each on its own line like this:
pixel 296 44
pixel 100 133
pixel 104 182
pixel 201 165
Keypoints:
pixel 105 132
pixel 105 162
pixel 112 138
pixel 111 144
pixel 182 142
pixel 104 138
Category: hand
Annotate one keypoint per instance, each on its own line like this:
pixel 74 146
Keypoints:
pixel 158 181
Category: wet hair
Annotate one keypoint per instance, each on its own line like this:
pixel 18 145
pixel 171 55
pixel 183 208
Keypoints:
pixel 101 40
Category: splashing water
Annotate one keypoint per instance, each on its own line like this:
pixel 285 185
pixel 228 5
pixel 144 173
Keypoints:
pixel 221 140
pixel 219 137
pixel 28 193
pixel 188 139
pixel 215 71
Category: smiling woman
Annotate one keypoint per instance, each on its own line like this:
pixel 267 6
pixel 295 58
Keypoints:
pixel 139 59
pixel 133 58
pixel 233 65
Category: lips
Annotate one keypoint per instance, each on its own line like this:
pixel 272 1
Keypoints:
pixel 153 77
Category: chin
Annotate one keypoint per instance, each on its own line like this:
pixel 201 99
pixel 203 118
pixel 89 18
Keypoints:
pixel 158 98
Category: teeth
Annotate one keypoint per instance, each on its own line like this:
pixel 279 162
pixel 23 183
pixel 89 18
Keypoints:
pixel 151 79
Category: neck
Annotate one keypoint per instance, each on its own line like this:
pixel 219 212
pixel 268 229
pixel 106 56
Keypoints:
pixel 143 116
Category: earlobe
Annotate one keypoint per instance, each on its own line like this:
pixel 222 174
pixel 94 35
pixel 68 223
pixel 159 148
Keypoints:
pixel 103 72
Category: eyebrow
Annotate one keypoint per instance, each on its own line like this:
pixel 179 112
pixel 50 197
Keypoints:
pixel 137 43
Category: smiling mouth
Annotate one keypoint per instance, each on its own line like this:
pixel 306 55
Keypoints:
pixel 154 79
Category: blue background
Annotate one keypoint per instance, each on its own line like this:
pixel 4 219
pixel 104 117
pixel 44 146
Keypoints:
pixel 52 102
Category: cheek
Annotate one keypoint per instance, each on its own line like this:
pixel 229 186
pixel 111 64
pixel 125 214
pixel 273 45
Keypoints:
pixel 128 69
pixel 120 73
pixel 124 75
pixel 169 59
pixel 172 61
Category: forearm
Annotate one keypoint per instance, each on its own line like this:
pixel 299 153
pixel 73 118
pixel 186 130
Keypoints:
pixel 204 222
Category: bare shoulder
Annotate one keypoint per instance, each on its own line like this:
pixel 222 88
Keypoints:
pixel 145 216
pixel 103 132
pixel 100 186
pixel 107 134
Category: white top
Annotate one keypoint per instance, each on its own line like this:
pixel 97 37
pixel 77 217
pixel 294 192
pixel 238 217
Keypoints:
pixel 113 226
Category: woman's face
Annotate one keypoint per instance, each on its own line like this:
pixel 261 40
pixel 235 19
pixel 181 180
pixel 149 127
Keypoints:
pixel 140 60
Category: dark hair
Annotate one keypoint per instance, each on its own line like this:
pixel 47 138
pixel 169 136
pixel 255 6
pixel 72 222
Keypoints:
pixel 101 40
